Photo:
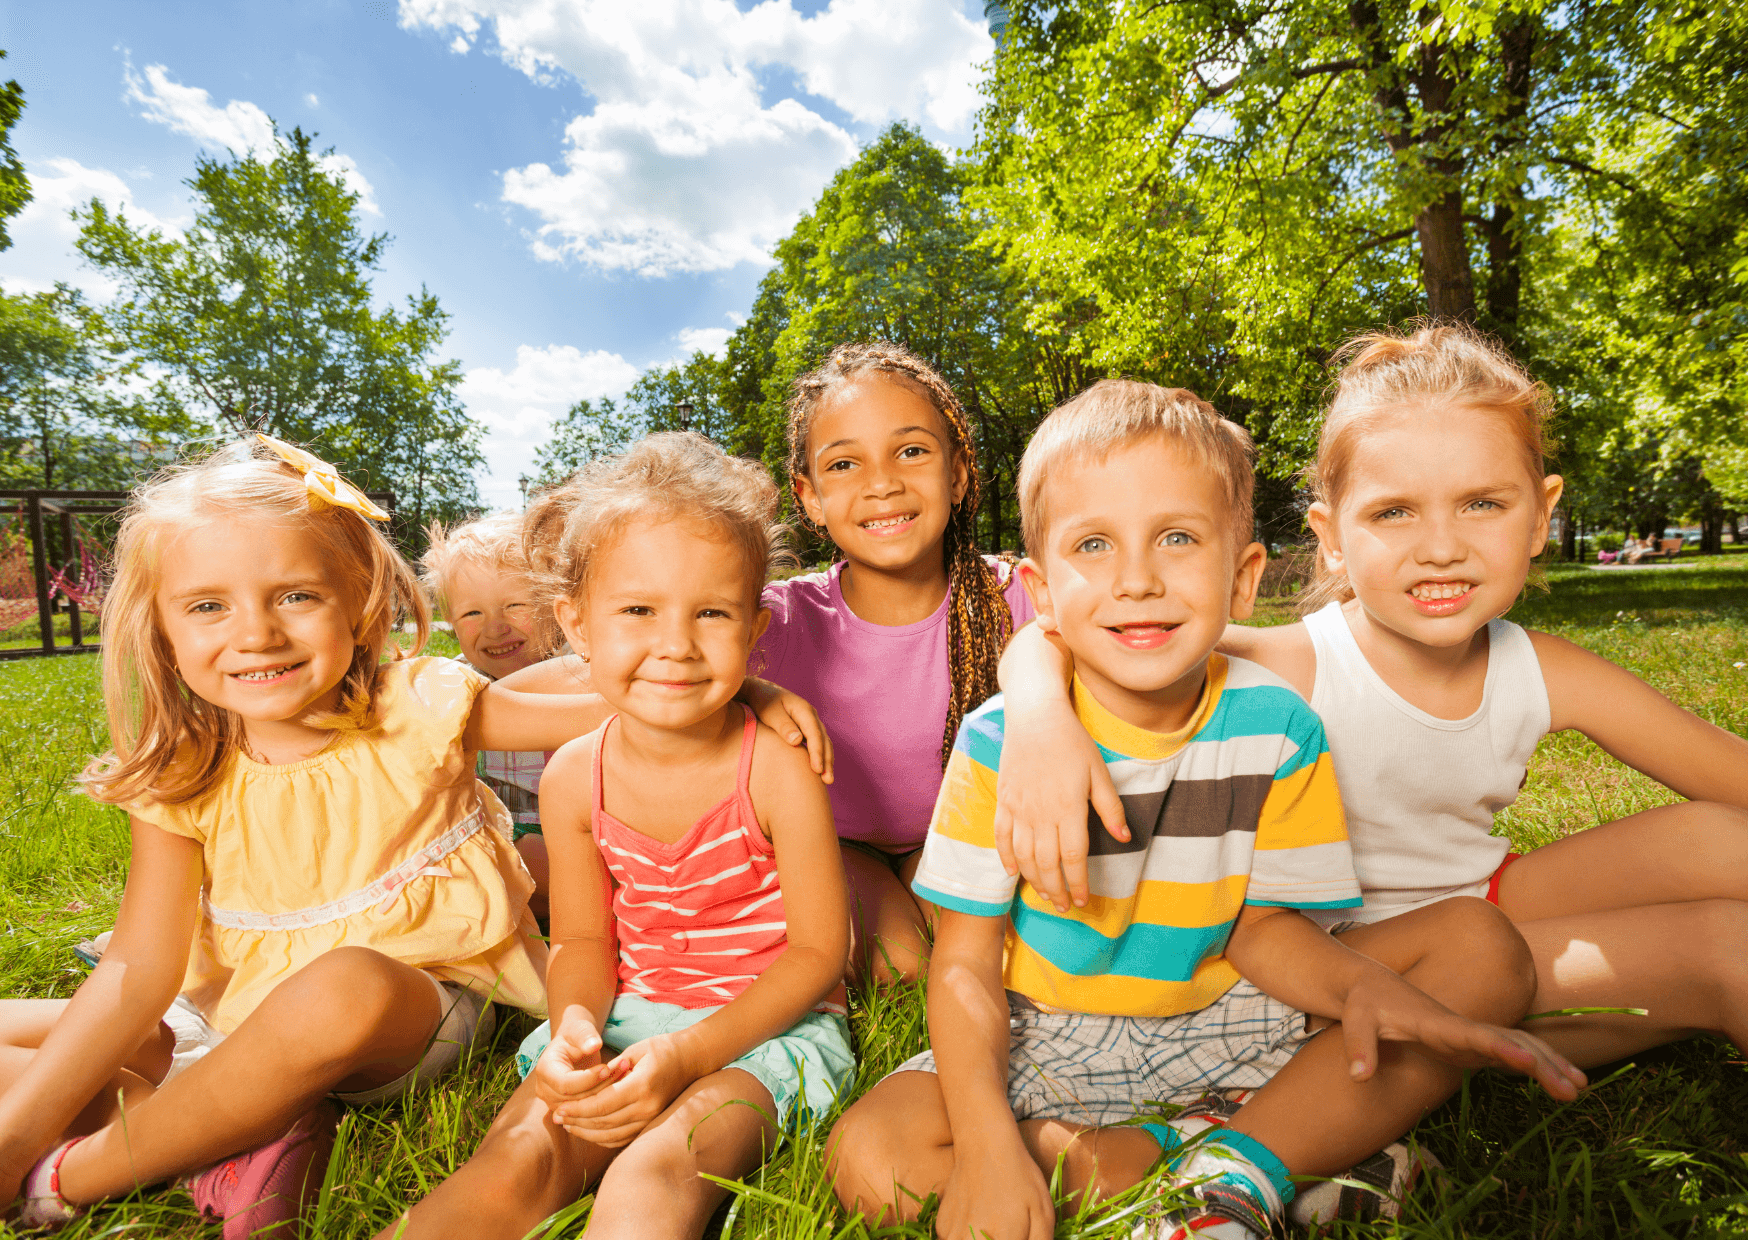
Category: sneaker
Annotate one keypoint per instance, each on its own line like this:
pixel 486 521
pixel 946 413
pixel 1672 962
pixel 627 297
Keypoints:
pixel 1220 1214
pixel 40 1204
pixel 1373 1190
pixel 260 1191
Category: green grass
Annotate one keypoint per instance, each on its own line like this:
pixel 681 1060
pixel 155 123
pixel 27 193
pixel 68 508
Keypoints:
pixel 1658 1147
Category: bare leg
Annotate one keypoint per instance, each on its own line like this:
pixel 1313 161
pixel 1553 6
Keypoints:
pixel 1315 1117
pixel 532 850
pixel 24 1023
pixel 352 1019
pixel 1686 963
pixel 887 923
pixel 656 1187
pixel 895 1141
pixel 1696 850
pixel 528 1168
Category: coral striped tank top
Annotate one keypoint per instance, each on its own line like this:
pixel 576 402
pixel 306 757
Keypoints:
pixel 700 918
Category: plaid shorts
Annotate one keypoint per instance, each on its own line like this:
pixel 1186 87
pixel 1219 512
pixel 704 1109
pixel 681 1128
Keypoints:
pixel 1100 1069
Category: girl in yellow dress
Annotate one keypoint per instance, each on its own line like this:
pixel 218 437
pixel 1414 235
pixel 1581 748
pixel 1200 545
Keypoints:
pixel 322 901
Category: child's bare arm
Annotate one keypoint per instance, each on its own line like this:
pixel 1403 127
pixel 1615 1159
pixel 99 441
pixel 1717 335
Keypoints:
pixel 1640 726
pixel 116 1007
pixel 816 909
pixel 790 717
pixel 1289 958
pixel 1050 771
pixel 581 973
pixel 505 718
pixel 995 1188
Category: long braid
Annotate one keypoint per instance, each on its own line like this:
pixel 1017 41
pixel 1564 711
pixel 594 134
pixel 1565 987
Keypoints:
pixel 979 622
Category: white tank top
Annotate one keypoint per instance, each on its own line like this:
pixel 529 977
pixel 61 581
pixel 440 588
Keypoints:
pixel 1420 792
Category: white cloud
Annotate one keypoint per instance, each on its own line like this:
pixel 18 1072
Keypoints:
pixel 239 126
pixel 517 405
pixel 43 233
pixel 711 340
pixel 312 100
pixel 683 165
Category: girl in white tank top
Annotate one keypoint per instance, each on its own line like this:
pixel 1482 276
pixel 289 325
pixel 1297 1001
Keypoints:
pixel 1431 505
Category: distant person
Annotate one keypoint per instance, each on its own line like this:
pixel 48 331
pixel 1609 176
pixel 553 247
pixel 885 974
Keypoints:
pixel 699 923
pixel 1431 504
pixel 1196 966
pixel 478 576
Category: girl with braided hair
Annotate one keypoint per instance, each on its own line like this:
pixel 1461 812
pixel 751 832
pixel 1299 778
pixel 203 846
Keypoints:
pixel 898 640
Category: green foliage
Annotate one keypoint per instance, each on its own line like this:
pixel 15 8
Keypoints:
pixel 588 429
pixel 14 185
pixel 66 420
pixel 260 318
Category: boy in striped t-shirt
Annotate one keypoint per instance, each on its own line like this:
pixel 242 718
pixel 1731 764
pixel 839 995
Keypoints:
pixel 1189 969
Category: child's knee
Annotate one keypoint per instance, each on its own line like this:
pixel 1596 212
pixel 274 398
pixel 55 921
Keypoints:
pixel 341 1000
pixel 1479 964
pixel 863 1153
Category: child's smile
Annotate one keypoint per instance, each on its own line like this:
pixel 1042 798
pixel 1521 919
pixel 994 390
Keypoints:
pixel 259 625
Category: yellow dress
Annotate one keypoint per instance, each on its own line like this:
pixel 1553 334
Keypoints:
pixel 383 840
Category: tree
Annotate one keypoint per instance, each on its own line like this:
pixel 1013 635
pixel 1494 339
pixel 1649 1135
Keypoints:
pixel 687 397
pixel 1216 193
pixel 261 318
pixel 14 185
pixel 67 418
pixel 586 431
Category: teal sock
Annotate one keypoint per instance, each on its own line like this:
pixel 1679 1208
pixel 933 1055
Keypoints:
pixel 1263 1158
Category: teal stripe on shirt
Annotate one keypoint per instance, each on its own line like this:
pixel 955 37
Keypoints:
pixel 959 904
pixel 1158 953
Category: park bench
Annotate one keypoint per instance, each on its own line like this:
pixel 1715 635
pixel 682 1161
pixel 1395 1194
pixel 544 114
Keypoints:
pixel 1668 548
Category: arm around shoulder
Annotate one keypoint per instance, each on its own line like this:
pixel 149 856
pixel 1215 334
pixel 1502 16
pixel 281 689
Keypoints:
pixel 1638 725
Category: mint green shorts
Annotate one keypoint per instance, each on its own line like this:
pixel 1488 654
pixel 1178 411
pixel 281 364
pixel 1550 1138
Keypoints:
pixel 807 1067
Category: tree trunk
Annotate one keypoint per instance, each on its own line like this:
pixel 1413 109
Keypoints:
pixel 1517 45
pixel 1445 270
pixel 1568 537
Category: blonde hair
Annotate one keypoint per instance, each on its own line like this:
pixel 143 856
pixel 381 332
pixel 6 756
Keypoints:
pixel 1451 366
pixel 167 745
pixel 979 621
pixel 1115 413
pixel 492 542
pixel 673 475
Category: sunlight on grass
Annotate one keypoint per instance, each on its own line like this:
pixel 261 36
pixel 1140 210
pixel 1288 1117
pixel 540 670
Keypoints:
pixel 1656 1149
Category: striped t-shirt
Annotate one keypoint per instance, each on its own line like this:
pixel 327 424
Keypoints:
pixel 1238 807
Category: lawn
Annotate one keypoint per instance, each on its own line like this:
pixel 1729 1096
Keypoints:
pixel 1659 1147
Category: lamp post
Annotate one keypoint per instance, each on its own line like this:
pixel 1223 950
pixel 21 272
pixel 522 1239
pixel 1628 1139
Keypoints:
pixel 522 482
pixel 684 409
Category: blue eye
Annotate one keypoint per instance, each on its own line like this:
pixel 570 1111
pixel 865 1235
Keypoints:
pixel 1177 538
pixel 1093 545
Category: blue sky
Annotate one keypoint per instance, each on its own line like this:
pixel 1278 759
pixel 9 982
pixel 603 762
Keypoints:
pixel 589 186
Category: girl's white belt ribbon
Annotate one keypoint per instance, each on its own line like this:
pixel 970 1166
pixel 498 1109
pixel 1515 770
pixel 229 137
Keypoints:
pixel 378 894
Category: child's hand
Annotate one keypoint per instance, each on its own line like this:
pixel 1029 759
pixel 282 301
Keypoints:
pixel 648 1076
pixel 1050 769
pixel 1001 1195
pixel 791 717
pixel 1394 1010
pixel 571 1068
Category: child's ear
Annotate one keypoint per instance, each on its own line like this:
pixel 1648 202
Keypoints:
pixel 1038 590
pixel 1553 487
pixel 1247 579
pixel 809 499
pixel 1322 523
pixel 570 623
pixel 961 477
pixel 761 622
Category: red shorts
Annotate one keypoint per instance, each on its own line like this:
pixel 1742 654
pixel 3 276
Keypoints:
pixel 1493 883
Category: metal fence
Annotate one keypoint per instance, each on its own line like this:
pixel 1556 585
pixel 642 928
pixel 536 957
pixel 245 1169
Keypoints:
pixel 65 507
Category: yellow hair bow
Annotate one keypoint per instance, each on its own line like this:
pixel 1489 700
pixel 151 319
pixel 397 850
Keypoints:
pixel 324 482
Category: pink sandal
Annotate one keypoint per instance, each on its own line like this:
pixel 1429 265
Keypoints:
pixel 41 1205
pixel 259 1191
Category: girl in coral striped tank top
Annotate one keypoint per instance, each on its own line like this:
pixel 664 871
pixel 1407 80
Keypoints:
pixel 699 921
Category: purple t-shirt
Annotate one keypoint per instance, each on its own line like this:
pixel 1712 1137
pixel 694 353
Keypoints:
pixel 882 691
